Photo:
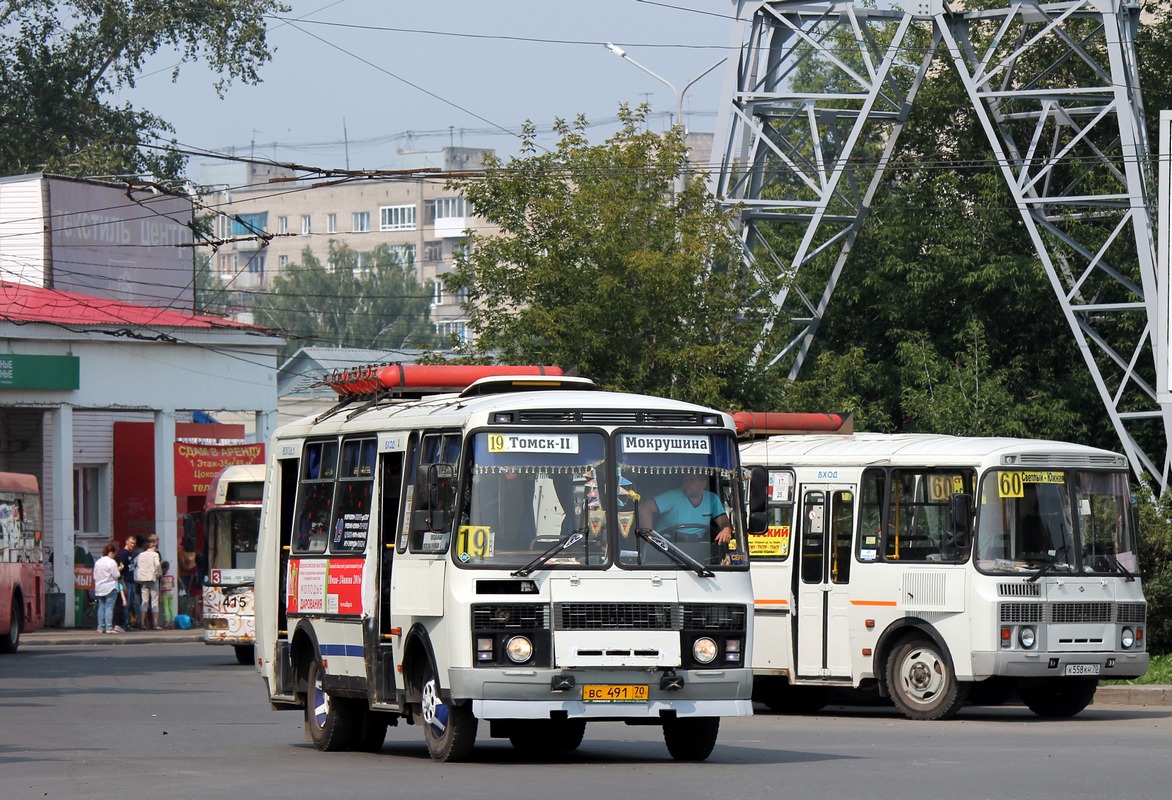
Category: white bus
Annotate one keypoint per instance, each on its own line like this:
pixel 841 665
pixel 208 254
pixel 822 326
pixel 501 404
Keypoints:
pixel 478 555
pixel 941 570
pixel 231 528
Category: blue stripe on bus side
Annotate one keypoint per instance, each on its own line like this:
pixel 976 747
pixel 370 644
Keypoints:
pixel 341 650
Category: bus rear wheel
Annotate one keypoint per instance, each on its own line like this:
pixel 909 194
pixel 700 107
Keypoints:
pixel 921 681
pixel 243 653
pixel 691 738
pixel 448 729
pixel 11 642
pixel 330 722
pixel 1057 698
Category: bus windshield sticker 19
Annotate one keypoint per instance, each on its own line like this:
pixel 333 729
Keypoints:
pixel 532 443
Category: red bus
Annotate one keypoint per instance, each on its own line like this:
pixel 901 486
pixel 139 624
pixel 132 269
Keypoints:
pixel 22 559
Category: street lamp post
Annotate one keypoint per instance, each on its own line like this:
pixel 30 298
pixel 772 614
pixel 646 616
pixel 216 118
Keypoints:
pixel 679 96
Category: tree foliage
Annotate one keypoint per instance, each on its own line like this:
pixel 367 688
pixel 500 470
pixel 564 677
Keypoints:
pixel 601 266
pixel 379 305
pixel 61 62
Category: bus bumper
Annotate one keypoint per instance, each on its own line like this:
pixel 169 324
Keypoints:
pixel 716 693
pixel 1016 664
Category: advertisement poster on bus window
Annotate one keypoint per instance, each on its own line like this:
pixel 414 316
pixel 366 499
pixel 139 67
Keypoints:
pixel 773 543
pixel 318 586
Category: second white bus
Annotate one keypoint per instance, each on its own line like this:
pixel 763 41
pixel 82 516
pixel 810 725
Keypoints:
pixel 231 527
pixel 451 557
pixel 942 570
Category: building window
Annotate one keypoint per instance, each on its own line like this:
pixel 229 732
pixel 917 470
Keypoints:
pixel 437 298
pixel 449 208
pixel 361 260
pixel 256 263
pixel 282 263
pixel 283 225
pixel 433 252
pixel 249 224
pixel 404 254
pixel 456 330
pixel 331 223
pixel 87 497
pixel 306 223
pixel 361 221
pixel 396 218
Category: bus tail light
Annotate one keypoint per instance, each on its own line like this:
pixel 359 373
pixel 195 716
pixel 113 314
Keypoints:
pixel 1006 637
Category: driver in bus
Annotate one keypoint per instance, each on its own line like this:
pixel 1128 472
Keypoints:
pixel 690 508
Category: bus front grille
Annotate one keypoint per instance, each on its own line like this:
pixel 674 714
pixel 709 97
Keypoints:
pixel 616 616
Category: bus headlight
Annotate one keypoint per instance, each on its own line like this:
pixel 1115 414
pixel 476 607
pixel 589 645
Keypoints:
pixel 519 649
pixel 1026 637
pixel 704 650
pixel 1127 638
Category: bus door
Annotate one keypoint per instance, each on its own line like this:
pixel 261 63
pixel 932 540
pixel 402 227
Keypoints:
pixel 287 473
pixel 390 493
pixel 822 577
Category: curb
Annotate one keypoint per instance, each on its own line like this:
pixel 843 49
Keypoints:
pixel 70 638
pixel 1124 695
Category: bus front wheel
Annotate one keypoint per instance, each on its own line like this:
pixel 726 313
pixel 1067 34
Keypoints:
pixel 448 729
pixel 330 722
pixel 691 738
pixel 11 642
pixel 921 681
pixel 243 653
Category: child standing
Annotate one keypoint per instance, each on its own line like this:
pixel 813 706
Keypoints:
pixel 167 590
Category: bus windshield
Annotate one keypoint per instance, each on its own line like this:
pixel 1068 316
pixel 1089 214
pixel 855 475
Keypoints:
pixel 1064 520
pixel 231 538
pixel 529 493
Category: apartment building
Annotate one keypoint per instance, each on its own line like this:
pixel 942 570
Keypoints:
pixel 420 219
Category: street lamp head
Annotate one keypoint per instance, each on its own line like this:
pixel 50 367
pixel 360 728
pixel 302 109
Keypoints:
pixel 618 51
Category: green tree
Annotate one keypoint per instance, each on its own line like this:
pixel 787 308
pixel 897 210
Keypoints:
pixel 61 62
pixel 378 305
pixel 600 266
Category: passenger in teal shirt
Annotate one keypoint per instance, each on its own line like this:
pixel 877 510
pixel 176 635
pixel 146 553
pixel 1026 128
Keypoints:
pixel 692 508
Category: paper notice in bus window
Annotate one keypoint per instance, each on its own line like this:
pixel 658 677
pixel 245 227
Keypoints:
pixel 781 487
pixel 774 543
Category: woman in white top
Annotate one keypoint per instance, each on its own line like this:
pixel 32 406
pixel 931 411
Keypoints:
pixel 147 570
pixel 106 587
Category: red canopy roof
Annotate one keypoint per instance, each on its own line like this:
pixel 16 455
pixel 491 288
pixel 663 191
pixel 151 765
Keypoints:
pixel 23 303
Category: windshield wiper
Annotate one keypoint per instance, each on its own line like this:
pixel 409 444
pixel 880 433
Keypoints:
pixel 673 552
pixel 571 539
pixel 1117 565
pixel 1049 564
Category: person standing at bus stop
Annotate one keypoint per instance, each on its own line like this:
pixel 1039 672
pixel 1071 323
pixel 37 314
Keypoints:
pixel 106 587
pixel 147 571
pixel 125 558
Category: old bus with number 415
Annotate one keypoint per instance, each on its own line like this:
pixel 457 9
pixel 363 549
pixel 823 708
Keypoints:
pixel 505 556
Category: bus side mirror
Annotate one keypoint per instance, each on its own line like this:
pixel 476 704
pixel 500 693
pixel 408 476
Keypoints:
pixel 960 515
pixel 434 492
pixel 758 523
pixel 758 490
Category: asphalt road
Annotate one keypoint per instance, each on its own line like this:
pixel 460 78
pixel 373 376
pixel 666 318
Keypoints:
pixel 182 720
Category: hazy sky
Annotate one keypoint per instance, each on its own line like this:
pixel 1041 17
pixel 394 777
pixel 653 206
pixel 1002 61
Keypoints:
pixel 390 75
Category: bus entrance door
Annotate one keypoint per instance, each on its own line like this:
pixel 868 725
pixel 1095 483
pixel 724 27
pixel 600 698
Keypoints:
pixel 826 520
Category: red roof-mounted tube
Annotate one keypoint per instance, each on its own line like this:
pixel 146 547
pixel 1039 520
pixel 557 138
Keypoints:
pixel 360 381
pixel 763 423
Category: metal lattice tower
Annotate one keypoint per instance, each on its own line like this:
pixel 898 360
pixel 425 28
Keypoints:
pixel 1055 88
